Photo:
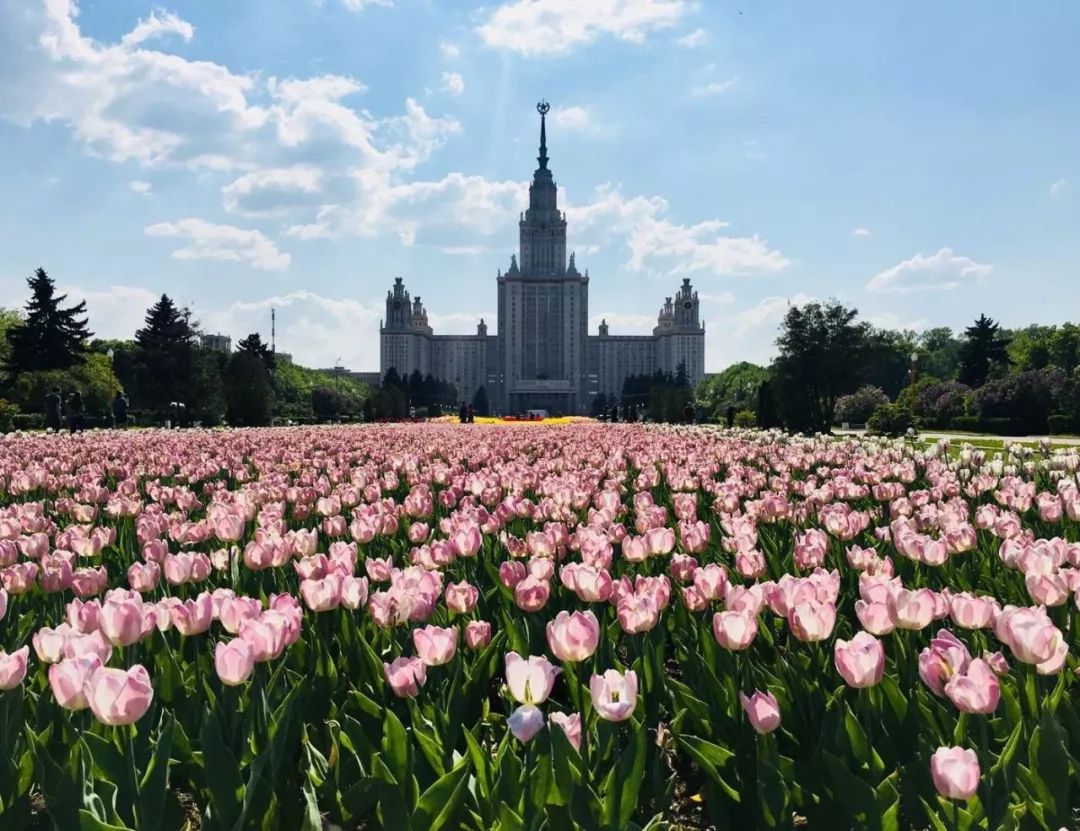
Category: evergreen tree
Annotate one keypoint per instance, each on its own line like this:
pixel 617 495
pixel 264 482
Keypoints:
pixel 392 378
pixel 166 345
pixel 984 347
pixel 50 336
pixel 480 401
pixel 254 344
pixel 682 377
pixel 248 394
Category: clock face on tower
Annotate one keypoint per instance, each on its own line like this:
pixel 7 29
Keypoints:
pixel 397 304
pixel 688 305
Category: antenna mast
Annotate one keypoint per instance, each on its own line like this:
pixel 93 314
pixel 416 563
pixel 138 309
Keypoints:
pixel 273 331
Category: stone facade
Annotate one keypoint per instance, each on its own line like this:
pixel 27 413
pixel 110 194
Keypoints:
pixel 542 356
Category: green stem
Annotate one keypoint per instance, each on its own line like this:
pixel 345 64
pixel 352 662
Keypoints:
pixel 128 732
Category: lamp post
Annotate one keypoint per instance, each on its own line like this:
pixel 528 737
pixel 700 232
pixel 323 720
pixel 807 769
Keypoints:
pixel 914 372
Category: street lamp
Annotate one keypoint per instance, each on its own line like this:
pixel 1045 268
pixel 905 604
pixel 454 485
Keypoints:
pixel 914 367
pixel 111 353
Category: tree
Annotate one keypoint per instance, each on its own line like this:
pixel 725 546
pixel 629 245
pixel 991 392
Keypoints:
pixel 939 353
pixel 823 353
pixel 166 346
pixel 254 344
pixel 10 319
pixel 737 386
pixel 857 407
pixel 480 401
pixel 325 403
pixel 984 349
pixel 50 335
pixel 248 395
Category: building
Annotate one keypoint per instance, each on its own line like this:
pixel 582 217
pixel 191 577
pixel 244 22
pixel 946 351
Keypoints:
pixel 217 343
pixel 542 355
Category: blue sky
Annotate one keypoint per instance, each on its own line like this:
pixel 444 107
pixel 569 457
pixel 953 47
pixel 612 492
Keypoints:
pixel 917 160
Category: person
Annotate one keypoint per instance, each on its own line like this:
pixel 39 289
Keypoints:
pixel 53 402
pixel 614 413
pixel 730 415
pixel 76 412
pixel 688 412
pixel 472 414
pixel 120 410
pixel 463 414
pixel 412 413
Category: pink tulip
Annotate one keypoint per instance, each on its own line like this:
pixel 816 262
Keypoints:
pixel 378 570
pixel 570 725
pixel 354 592
pixel 461 597
pixel 573 637
pixel 711 581
pixel 118 696
pixel 406 676
pixel 695 601
pixel 525 722
pixel 511 572
pixel 637 614
pixel 734 630
pixel 955 771
pixel 1031 635
pixel 193 617
pixel 945 657
pixel 682 567
pixel 234 661
pixel 532 594
pixel 970 612
pixel 812 621
pixel 13 668
pixel 762 709
pixel 477 634
pixel 912 609
pixel 874 617
pixel 83 616
pixel 67 680
pixel 975 689
pixel 530 681
pixel 435 645
pixel 121 620
pixel 235 610
pixel 322 595
pixel 860 661
pixel 614 694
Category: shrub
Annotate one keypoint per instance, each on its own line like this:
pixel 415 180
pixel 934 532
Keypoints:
pixel 940 401
pixel 860 405
pixel 1026 398
pixel 966 423
pixel 28 421
pixel 8 413
pixel 745 418
pixel 1063 423
pixel 890 420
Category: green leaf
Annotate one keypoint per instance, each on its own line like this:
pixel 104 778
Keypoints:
pixel 480 764
pixel 155 780
pixel 88 822
pixel 222 774
pixel 621 799
pixel 312 821
pixel 395 747
pixel 439 804
pixel 1051 757
pixel 773 793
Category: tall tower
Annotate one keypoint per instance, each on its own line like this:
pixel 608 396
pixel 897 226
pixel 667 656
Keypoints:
pixel 543 305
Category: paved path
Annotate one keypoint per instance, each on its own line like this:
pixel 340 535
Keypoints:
pixel 975 438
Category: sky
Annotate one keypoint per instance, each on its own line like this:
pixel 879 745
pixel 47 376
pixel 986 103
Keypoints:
pixel 918 160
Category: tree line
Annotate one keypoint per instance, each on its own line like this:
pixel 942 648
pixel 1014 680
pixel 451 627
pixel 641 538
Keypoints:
pixel 831 367
pixel 162 373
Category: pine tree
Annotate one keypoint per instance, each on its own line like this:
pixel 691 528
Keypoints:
pixel 248 394
pixel 480 401
pixel 984 346
pixel 50 336
pixel 166 345
pixel 254 344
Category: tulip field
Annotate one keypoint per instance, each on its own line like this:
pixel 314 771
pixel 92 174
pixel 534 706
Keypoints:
pixel 584 626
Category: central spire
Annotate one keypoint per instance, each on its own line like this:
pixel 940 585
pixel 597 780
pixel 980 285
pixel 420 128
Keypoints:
pixel 543 108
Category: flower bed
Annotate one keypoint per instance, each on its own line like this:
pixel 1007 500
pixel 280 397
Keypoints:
pixel 596 627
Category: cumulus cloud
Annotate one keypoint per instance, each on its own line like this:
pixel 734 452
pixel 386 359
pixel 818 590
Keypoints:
pixel 453 83
pixel 891 320
pixel 208 241
pixel 573 119
pixel 551 27
pixel 943 270
pixel 713 88
pixel 450 51
pixel 696 38
pixel 360 5
pixel 273 191
pixel 623 324
pixel 139 186
pixel 657 244
pixel 768 312
pixel 1058 186
pixel 116 311
pixel 861 232
pixel 155 27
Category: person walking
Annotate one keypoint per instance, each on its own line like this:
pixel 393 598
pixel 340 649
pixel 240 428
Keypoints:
pixel 53 404
pixel 463 414
pixel 471 414
pixel 120 410
pixel 76 412
pixel 688 412
pixel 730 416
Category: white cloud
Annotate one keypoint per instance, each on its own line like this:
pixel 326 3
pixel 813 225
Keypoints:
pixel 139 186
pixel 453 83
pixel 660 245
pixel 769 311
pixel 360 5
pixel 207 241
pixel 573 119
pixel 266 192
pixel 550 27
pixel 1058 186
pixel 464 250
pixel 696 38
pixel 891 320
pixel 116 311
pixel 155 27
pixel 943 270
pixel 861 232
pixel 461 323
pixel 724 297
pixel 713 88
pixel 450 51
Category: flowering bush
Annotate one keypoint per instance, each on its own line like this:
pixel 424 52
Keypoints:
pixel 585 626
pixel 860 405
